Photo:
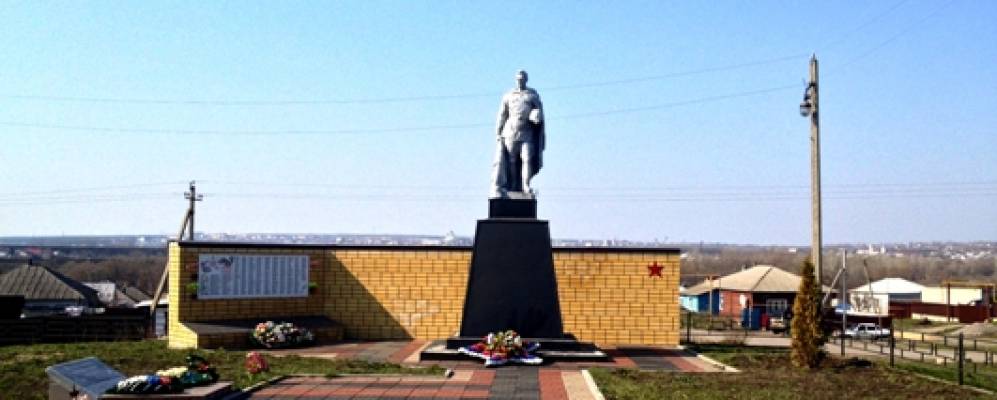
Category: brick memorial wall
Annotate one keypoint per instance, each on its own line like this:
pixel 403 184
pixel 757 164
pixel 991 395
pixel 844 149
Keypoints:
pixel 607 295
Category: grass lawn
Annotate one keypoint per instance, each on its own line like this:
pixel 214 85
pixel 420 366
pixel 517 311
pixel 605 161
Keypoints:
pixel 22 368
pixel 767 374
pixel 917 325
pixel 985 378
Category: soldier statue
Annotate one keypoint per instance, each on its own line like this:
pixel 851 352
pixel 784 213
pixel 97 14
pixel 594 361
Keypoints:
pixel 520 131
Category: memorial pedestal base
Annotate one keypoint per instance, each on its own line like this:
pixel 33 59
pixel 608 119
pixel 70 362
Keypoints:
pixel 512 285
pixel 566 349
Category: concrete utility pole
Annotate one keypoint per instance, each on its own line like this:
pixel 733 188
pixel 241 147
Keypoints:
pixel 843 299
pixel 810 107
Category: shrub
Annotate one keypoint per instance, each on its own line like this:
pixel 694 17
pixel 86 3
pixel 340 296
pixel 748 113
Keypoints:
pixel 808 339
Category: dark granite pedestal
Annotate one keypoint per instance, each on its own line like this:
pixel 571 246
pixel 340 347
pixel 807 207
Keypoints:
pixel 512 285
pixel 512 208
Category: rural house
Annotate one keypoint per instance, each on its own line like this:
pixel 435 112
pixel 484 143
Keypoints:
pixel 46 291
pixel 765 289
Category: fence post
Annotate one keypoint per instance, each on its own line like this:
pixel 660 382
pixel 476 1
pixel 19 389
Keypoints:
pixel 892 346
pixel 945 339
pixel 688 327
pixel 962 358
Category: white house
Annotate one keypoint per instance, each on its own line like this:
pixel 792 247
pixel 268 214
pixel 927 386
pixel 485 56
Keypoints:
pixel 896 289
pixel 874 298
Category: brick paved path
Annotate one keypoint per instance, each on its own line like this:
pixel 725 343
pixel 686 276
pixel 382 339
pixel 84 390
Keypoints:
pixel 554 381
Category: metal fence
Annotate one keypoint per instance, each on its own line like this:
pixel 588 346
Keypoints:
pixel 73 329
pixel 963 313
pixel 973 357
pixel 952 353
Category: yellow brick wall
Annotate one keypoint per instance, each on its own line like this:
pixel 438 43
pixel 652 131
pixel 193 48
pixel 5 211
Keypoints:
pixel 610 297
pixel 396 294
pixel 606 297
pixel 183 308
pixel 179 335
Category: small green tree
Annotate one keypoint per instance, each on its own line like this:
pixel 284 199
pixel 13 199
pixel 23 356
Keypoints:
pixel 808 339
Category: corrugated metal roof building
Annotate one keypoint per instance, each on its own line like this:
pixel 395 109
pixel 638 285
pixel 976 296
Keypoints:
pixel 135 293
pixel 46 291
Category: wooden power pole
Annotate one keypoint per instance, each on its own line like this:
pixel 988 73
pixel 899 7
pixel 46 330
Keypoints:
pixel 192 196
pixel 186 225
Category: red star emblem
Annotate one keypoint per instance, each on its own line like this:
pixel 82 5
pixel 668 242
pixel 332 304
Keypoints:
pixel 654 270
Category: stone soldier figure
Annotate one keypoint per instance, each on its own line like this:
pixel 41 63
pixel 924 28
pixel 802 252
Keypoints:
pixel 521 137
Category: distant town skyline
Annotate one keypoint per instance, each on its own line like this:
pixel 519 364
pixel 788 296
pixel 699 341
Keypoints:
pixel 675 122
pixel 983 248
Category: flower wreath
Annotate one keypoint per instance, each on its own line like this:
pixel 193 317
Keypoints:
pixel 283 334
pixel 503 347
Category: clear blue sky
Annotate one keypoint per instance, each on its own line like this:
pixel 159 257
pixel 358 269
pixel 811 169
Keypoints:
pixel 674 121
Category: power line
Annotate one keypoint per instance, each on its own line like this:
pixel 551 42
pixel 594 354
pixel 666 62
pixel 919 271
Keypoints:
pixel 611 188
pixel 458 96
pixel 680 103
pixel 192 102
pixel 84 199
pixel 837 188
pixel 675 74
pixel 867 193
pixel 864 25
pixel 101 129
pixel 95 188
pixel 386 130
pixel 397 99
pixel 605 197
pixel 889 40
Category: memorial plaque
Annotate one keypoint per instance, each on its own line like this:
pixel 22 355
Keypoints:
pixel 230 276
pixel 88 376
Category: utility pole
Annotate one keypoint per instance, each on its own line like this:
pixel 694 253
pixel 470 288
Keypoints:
pixel 186 225
pixel 810 107
pixel 192 196
pixel 843 301
pixel 710 326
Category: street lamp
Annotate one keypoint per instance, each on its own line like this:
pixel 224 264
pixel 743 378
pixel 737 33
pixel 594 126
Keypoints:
pixel 810 107
pixel 806 106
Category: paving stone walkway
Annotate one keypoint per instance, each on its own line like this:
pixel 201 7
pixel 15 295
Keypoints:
pixel 552 381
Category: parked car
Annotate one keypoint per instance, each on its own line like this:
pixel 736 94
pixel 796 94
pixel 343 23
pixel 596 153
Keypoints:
pixel 867 331
pixel 777 324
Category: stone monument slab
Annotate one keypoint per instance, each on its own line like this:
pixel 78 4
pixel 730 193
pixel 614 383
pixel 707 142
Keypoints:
pixel 88 376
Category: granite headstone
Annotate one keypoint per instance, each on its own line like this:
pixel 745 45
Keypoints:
pixel 88 376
